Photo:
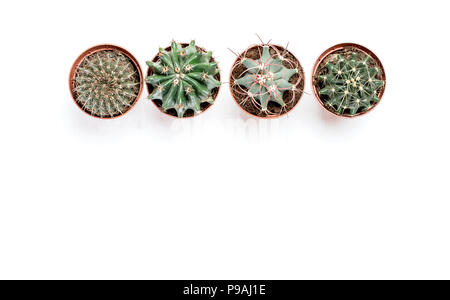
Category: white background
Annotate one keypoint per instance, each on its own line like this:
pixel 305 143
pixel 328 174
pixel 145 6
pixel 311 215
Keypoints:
pixel 224 195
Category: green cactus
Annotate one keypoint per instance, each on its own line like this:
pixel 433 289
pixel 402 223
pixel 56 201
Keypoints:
pixel 351 85
pixel 266 79
pixel 183 78
pixel 106 84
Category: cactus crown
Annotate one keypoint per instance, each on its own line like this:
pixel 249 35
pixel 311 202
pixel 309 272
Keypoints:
pixel 183 78
pixel 267 79
pixel 350 84
pixel 106 84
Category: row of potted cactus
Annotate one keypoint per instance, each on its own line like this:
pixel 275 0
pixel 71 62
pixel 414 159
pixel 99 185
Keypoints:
pixel 266 80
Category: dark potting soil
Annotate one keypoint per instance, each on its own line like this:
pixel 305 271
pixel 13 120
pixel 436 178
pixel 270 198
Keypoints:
pixel 345 52
pixel 273 109
pixel 189 113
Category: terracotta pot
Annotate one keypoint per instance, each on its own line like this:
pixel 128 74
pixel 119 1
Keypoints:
pixel 214 92
pixel 338 48
pixel 96 49
pixel 299 83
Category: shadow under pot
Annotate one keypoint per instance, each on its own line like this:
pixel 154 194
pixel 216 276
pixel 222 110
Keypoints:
pixel 267 81
pixel 106 81
pixel 348 80
pixel 183 80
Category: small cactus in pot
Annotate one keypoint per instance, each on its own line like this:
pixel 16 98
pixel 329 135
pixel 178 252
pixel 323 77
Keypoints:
pixel 106 81
pixel 183 79
pixel 348 80
pixel 267 80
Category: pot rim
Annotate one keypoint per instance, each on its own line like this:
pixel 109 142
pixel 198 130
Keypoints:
pixel 337 48
pixel 150 72
pixel 274 116
pixel 95 49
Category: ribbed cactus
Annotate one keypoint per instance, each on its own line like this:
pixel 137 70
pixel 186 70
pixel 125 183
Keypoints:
pixel 266 79
pixel 106 84
pixel 350 85
pixel 183 78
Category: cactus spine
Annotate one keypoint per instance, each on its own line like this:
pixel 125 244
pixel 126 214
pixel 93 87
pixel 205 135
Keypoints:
pixel 350 85
pixel 183 78
pixel 266 79
pixel 106 84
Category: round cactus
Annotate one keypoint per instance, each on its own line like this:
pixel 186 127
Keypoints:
pixel 106 84
pixel 272 76
pixel 183 78
pixel 350 83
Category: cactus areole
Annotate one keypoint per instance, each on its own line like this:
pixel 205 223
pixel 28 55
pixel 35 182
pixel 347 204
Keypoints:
pixel 183 80
pixel 348 80
pixel 267 81
pixel 106 81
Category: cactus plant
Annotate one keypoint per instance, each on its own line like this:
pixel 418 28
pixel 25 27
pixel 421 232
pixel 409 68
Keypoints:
pixel 265 79
pixel 183 78
pixel 349 82
pixel 106 84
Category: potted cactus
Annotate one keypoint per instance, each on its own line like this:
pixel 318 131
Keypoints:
pixel 106 81
pixel 183 80
pixel 348 80
pixel 267 80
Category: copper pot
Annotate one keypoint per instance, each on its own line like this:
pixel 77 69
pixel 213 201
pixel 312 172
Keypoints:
pixel 338 48
pixel 100 48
